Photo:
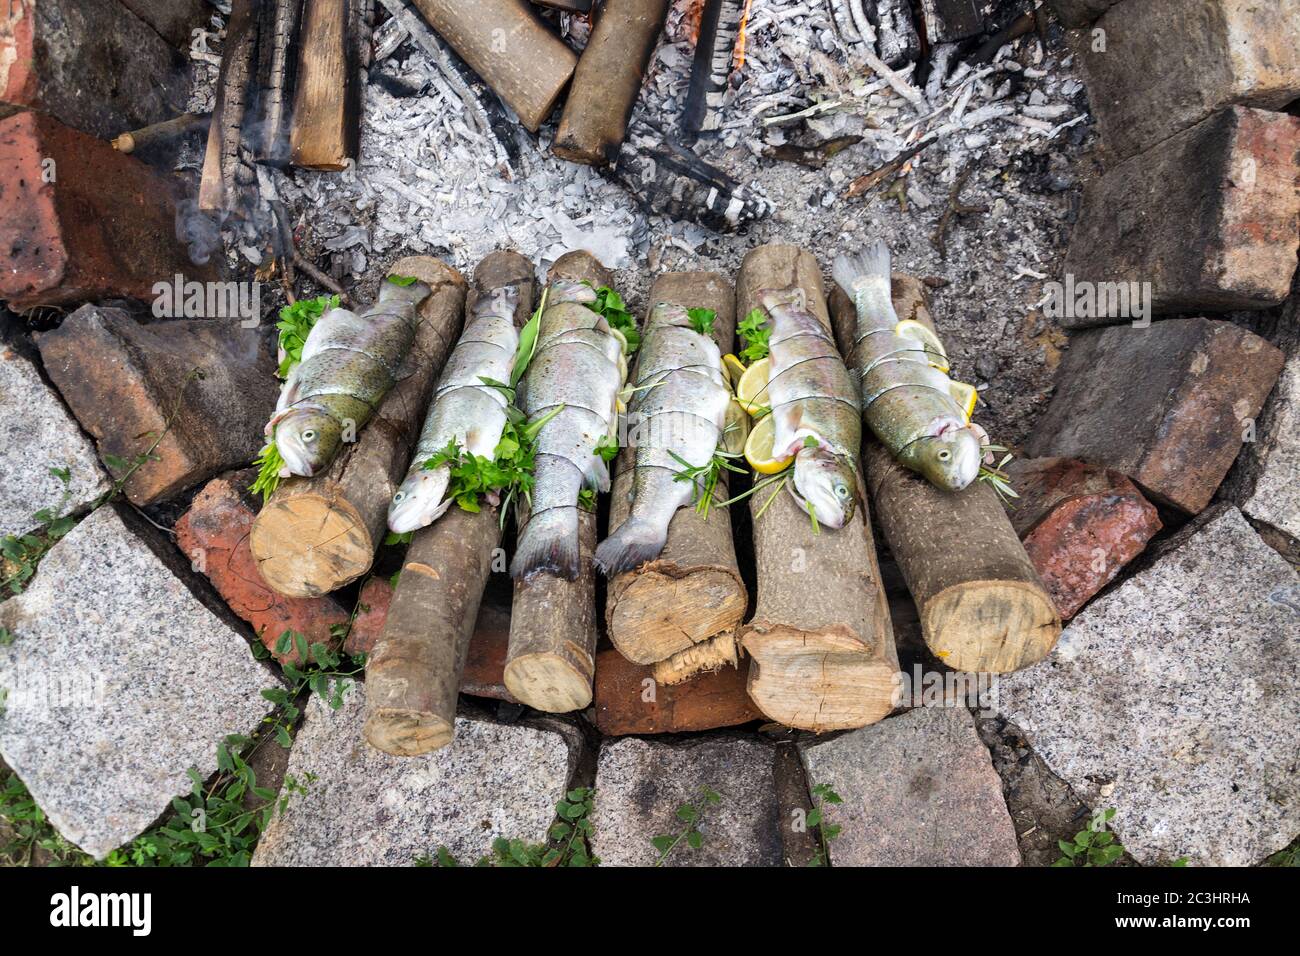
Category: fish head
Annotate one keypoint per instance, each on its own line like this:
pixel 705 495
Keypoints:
pixel 412 293
pixel 824 485
pixel 949 460
pixel 308 438
pixel 501 301
pixel 793 299
pixel 419 501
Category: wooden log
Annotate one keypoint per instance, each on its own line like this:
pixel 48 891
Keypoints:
pixel 551 660
pixel 414 674
pixel 608 81
pixel 720 23
pixel 276 69
pixel 511 50
pixel 326 127
pixel 161 134
pixel 981 604
pixel 217 187
pixel 820 641
pixel 693 591
pixel 318 534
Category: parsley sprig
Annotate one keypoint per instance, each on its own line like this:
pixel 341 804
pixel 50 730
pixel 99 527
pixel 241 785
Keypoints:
pixel 611 305
pixel 756 332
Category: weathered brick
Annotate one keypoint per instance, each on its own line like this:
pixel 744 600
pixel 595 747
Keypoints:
pixel 702 703
pixel 1168 65
pixel 1080 524
pixel 213 534
pixel 124 382
pixel 172 19
pixel 93 64
pixel 79 220
pixel 372 611
pixel 1080 13
pixel 1211 218
pixel 1167 405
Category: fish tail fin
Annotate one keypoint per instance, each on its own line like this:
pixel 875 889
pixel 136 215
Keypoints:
pixel 866 266
pixel 549 542
pixel 633 544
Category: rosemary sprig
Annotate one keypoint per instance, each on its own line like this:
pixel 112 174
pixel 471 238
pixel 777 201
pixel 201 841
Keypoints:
pixel 996 477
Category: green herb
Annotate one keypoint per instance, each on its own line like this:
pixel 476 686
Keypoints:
pixel 826 832
pixel 587 499
pixel 296 322
pixel 754 329
pixel 705 477
pixel 611 305
pixel 702 320
pixel 508 474
pixel 1095 846
pixel 997 478
pixel 268 464
pixel 527 342
pixel 403 281
pixel 395 537
pixel 568 841
pixel 606 449
pixel 690 815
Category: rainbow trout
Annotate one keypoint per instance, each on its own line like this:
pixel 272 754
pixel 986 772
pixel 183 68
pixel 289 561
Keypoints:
pixel 905 400
pixel 814 408
pixel 465 411
pixel 349 363
pixel 679 407
pixel 578 368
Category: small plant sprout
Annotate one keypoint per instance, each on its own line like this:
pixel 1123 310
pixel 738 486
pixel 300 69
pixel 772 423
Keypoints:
pixel 690 815
pixel 1094 846
pixel 823 796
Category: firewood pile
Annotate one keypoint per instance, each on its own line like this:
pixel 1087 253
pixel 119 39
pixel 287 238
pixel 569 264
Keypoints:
pixel 524 377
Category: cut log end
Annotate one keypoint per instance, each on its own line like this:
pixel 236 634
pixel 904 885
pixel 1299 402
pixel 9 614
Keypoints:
pixel 662 611
pixel 818 681
pixel 706 658
pixel 991 626
pixel 555 682
pixel 406 733
pixel 310 544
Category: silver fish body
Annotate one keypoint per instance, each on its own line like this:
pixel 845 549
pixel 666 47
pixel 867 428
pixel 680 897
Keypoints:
pixel 679 409
pixel 465 412
pixel 575 375
pixel 349 364
pixel 815 408
pixel 906 402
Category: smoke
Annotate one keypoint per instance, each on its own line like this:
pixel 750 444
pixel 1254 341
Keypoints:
pixel 199 230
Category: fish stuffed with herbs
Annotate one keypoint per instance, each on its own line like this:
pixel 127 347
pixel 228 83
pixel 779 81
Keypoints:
pixel 677 415
pixel 814 407
pixel 349 364
pixel 469 411
pixel 572 384
pixel 908 400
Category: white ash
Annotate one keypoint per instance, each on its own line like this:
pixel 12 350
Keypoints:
pixel 429 182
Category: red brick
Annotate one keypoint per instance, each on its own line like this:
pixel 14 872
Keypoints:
pixel 128 382
pixel 93 64
pixel 1167 406
pixel 213 534
pixel 372 611
pixel 711 700
pixel 105 227
pixel 1210 218
pixel 1080 524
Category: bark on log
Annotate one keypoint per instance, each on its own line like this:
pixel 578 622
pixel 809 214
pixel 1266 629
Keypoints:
pixel 980 601
pixel 318 534
pixel 608 81
pixel 277 62
pixel 505 43
pixel 414 674
pixel 217 187
pixel 326 127
pixel 551 660
pixel 720 22
pixel 693 591
pixel 820 641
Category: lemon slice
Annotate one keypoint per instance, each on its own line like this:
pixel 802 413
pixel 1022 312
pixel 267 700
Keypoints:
pixel 758 448
pixel 965 396
pixel 734 369
pixel 751 389
pixel 914 330
pixel 737 429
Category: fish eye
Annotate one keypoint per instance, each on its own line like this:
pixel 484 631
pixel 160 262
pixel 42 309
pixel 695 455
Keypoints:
pixel 400 496
pixel 842 491
pixel 945 455
pixel 309 435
